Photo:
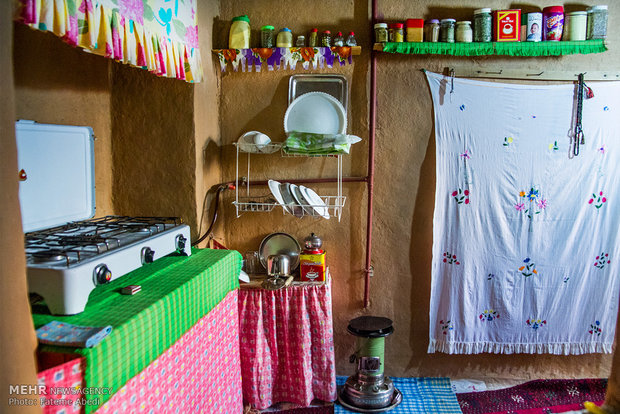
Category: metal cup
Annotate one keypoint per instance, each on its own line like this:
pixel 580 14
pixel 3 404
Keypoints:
pixel 278 265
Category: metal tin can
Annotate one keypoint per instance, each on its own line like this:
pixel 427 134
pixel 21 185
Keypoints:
pixel 446 34
pixel 534 27
pixel 381 33
pixel 597 22
pixel 483 25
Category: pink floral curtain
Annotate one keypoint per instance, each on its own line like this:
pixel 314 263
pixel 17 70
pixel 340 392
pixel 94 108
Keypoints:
pixel 158 35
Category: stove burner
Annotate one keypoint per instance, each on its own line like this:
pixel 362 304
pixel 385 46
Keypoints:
pixel 50 256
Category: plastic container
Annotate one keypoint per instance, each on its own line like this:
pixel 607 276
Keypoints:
pixel 239 36
pixel 431 31
pixel 464 33
pixel 597 22
pixel 267 38
pixel 339 39
pixel 381 33
pixel 326 38
pixel 301 41
pixel 313 38
pixel 415 30
pixel 553 23
pixel 396 33
pixel 351 39
pixel 285 38
pixel 534 27
pixel 483 25
pixel 575 24
pixel 446 33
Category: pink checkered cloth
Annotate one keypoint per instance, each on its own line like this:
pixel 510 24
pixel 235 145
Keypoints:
pixel 287 345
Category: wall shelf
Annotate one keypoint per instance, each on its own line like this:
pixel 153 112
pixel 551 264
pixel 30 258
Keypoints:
pixel 520 49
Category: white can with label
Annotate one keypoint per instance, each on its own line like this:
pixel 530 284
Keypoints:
pixel 534 27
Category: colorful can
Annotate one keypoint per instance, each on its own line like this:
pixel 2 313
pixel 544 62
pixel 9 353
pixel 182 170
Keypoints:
pixel 575 25
pixel 534 27
pixel 396 33
pixel 415 30
pixel 312 266
pixel 553 23
pixel 507 25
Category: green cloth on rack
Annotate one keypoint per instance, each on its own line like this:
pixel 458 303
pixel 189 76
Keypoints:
pixel 548 48
pixel 307 143
pixel 177 291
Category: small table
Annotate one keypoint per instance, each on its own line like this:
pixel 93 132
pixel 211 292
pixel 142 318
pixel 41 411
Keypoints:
pixel 287 344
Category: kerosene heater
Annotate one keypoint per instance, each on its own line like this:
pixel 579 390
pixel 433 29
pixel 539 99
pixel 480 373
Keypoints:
pixel 369 390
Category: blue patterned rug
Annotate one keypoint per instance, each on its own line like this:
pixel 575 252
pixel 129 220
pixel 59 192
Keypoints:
pixel 420 395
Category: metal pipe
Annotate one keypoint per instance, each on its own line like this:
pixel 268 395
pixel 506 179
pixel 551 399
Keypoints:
pixel 312 180
pixel 371 158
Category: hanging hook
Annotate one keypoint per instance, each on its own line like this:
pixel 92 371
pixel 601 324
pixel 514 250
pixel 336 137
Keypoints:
pixel 452 80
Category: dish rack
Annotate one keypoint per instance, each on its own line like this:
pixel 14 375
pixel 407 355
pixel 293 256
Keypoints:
pixel 245 203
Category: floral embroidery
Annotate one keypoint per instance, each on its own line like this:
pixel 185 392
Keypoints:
pixel 595 328
pixel 450 258
pixel 598 201
pixel 462 107
pixel 517 398
pixel 602 149
pixel 529 268
pixel 490 276
pixel 461 196
pixel 466 155
pixel 606 108
pixel 572 391
pixel 488 315
pixel 536 203
pixel 445 326
pixel 566 279
pixel 602 260
pixel 554 146
pixel 535 323
pixel 508 141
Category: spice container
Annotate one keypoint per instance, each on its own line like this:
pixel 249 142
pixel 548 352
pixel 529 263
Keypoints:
pixel 507 25
pixel 381 33
pixel 339 39
pixel 326 38
pixel 266 36
pixel 431 31
pixel 597 22
pixel 523 34
pixel 313 38
pixel 534 27
pixel 483 25
pixel 446 33
pixel 396 33
pixel 553 22
pixel 301 41
pixel 464 34
pixel 415 30
pixel 285 38
pixel 239 36
pixel 351 39
pixel 575 26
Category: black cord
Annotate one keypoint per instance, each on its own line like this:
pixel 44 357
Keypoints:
pixel 217 204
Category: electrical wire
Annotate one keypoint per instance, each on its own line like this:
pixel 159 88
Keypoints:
pixel 220 188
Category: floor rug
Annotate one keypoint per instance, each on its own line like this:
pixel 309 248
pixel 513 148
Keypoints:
pixel 420 395
pixel 540 396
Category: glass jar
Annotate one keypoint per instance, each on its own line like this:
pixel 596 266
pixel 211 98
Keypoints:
pixel 301 41
pixel 266 36
pixel 597 22
pixel 326 38
pixel 431 31
pixel 239 36
pixel 483 25
pixel 464 34
pixel 396 33
pixel 285 38
pixel 313 38
pixel 446 33
pixel 575 26
pixel 381 33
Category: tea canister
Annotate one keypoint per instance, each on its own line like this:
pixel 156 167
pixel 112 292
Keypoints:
pixel 575 25
pixel 446 33
pixel 431 31
pixel 415 30
pixel 483 25
pixel 534 27
pixel 381 33
pixel 553 22
pixel 396 33
pixel 464 34
pixel 597 22
pixel 507 25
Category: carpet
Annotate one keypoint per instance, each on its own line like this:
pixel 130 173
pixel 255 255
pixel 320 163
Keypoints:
pixel 535 397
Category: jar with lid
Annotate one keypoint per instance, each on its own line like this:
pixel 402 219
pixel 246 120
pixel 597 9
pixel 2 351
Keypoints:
pixel 597 22
pixel 396 33
pixel 267 36
pixel 446 33
pixel 575 26
pixel 285 38
pixel 464 33
pixel 326 38
pixel 339 39
pixel 431 31
pixel 301 41
pixel 313 38
pixel 239 36
pixel 483 25
pixel 381 33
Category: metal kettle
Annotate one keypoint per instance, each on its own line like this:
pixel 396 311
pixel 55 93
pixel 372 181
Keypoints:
pixel 313 242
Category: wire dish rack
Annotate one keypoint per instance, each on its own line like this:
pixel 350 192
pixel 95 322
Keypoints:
pixel 330 206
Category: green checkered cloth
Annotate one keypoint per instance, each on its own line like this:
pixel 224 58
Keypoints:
pixel 307 143
pixel 177 291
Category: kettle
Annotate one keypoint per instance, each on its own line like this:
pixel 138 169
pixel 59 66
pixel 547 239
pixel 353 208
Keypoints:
pixel 313 243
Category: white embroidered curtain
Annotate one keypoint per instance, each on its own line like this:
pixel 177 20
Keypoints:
pixel 525 234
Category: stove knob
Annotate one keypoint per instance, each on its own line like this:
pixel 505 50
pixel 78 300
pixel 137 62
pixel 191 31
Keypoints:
pixel 147 255
pixel 103 275
pixel 180 243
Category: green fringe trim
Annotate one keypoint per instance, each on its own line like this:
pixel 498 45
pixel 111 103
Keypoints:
pixel 549 48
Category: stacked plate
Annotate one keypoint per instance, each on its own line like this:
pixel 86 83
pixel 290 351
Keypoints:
pixel 298 200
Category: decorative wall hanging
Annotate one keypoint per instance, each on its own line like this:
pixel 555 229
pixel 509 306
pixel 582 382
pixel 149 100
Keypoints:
pixel 158 35
pixel 526 247
pixel 283 57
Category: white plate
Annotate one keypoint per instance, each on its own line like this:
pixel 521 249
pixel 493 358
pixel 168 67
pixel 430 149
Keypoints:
pixel 316 202
pixel 299 197
pixel 274 186
pixel 316 112
pixel 289 200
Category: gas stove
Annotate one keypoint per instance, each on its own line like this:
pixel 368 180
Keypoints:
pixel 66 263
